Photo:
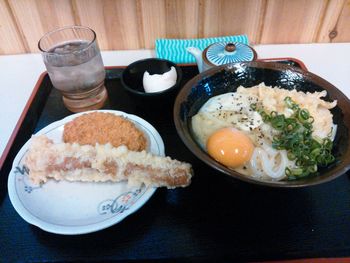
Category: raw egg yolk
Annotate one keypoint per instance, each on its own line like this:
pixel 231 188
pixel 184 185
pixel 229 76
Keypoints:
pixel 230 147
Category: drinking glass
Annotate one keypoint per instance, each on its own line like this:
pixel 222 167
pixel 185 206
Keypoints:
pixel 74 64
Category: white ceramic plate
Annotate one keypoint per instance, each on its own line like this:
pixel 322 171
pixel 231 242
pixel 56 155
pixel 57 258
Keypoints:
pixel 77 207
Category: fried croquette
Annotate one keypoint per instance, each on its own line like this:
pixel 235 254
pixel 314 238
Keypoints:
pixel 103 128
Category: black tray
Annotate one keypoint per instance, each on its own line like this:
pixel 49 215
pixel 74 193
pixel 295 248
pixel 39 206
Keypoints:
pixel 215 219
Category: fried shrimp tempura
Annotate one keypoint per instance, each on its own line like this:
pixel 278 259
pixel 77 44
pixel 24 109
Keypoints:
pixel 100 163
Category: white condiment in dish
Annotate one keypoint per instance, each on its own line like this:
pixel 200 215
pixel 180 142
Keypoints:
pixel 159 82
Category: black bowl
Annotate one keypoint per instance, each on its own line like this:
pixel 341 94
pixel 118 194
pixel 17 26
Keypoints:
pixel 229 77
pixel 132 77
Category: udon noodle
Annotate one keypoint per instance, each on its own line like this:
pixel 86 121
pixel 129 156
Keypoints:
pixel 235 110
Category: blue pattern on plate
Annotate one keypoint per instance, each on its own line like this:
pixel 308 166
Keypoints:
pixel 22 173
pixel 120 203
pixel 175 49
pixel 217 54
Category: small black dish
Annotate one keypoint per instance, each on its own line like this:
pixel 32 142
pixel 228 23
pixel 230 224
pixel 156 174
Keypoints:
pixel 132 77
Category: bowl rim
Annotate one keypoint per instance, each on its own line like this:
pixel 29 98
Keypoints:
pixel 152 94
pixel 205 158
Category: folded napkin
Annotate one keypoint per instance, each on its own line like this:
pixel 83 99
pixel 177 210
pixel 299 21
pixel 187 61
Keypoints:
pixel 175 49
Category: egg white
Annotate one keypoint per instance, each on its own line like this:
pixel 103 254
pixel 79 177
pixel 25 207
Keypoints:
pixel 226 110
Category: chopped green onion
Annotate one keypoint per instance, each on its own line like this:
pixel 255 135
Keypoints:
pixel 277 122
pixel 328 144
pixel 315 152
pixel 288 101
pixel 297 171
pixel 273 114
pixel 291 156
pixel 303 115
pixel 296 138
pixel 312 168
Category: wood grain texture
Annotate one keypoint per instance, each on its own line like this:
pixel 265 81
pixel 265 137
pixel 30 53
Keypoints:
pixel 136 24
pixel 153 15
pixel 343 25
pixel 10 40
pixel 182 18
pixel 115 22
pixel 36 17
pixel 225 17
pixel 336 24
pixel 330 21
pixel 296 21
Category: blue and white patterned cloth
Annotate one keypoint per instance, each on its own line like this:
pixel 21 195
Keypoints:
pixel 175 49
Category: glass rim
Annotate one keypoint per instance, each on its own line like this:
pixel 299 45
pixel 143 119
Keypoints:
pixel 64 28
